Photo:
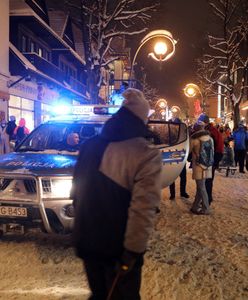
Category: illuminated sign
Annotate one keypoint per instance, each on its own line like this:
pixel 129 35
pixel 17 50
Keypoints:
pixel 82 110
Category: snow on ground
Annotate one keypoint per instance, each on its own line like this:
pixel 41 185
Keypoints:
pixel 189 256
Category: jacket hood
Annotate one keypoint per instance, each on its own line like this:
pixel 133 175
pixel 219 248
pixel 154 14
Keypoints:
pixel 199 134
pixel 22 122
pixel 122 126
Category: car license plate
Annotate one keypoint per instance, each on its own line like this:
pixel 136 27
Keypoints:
pixel 12 211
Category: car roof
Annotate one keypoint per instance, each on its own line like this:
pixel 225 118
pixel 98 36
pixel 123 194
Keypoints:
pixel 101 119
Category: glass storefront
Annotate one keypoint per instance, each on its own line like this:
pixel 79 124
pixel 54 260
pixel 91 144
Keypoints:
pixel 22 108
pixel 45 112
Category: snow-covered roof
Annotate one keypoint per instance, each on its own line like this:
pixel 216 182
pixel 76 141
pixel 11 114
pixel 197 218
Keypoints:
pixel 57 21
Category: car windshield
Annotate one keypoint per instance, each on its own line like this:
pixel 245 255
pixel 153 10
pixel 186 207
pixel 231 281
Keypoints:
pixel 55 137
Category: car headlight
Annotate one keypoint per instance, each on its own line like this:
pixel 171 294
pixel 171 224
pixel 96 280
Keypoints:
pixel 56 188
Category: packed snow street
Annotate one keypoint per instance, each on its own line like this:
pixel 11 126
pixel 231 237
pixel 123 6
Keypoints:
pixel 189 256
pixel 123 150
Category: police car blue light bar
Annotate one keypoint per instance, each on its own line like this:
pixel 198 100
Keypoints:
pixel 87 109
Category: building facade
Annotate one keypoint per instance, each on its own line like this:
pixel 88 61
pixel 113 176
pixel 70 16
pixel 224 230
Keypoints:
pixel 4 58
pixel 40 66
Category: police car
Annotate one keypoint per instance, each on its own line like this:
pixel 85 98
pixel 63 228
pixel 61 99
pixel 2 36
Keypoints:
pixel 35 180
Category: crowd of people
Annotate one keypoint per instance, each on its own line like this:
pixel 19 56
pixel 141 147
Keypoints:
pixel 12 134
pixel 116 203
pixel 225 148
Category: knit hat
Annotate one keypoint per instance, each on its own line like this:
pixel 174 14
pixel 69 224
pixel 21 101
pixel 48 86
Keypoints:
pixel 203 119
pixel 135 101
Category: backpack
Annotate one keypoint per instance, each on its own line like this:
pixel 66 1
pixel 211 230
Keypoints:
pixel 206 154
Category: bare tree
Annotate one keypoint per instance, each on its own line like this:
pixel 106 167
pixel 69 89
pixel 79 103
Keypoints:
pixel 101 22
pixel 150 93
pixel 226 64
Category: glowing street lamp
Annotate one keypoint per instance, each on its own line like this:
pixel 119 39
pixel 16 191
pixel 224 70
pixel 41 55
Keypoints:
pixel 175 110
pixel 164 47
pixel 162 107
pixel 191 90
pixel 160 49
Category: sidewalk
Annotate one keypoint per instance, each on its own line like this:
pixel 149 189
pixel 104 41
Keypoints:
pixel 196 256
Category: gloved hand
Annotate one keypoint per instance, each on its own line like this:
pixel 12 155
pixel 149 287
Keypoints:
pixel 127 261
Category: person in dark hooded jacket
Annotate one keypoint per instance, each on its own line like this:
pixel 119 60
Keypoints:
pixel 116 191
pixel 240 137
pixel 11 128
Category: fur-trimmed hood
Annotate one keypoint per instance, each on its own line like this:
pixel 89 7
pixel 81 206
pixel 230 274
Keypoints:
pixel 199 134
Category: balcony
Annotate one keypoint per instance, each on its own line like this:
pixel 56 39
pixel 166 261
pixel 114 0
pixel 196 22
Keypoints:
pixel 54 72
pixel 115 84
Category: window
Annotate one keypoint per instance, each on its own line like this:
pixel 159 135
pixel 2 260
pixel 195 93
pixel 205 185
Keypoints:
pixel 45 112
pixel 40 51
pixel 166 133
pixel 22 108
pixel 45 54
pixel 14 101
pixel 69 71
pixel 27 104
pixel 24 43
pixel 32 46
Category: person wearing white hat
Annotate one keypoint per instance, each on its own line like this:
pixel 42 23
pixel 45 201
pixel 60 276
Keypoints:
pixel 116 192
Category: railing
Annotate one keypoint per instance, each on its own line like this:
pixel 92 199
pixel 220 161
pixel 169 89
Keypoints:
pixel 119 84
pixel 55 72
pixel 45 66
pixel 77 85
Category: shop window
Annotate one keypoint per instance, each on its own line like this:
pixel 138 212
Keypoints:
pixel 45 112
pixel 29 117
pixel 27 104
pixel 22 108
pixel 14 101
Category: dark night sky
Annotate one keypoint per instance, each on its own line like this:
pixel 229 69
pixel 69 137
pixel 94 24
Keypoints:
pixel 188 21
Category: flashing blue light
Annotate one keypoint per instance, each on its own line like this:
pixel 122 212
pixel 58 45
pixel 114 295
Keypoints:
pixel 62 109
pixel 117 99
pixel 84 110
pixel 113 110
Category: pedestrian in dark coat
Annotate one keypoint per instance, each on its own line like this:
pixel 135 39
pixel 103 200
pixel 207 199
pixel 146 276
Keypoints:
pixel 116 192
pixel 11 125
pixel 4 138
pixel 240 137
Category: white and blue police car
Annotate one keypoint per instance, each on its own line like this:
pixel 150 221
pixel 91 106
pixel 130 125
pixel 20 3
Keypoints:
pixel 35 179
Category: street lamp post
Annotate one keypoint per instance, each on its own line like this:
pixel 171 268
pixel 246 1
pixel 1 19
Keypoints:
pixel 163 49
pixel 161 106
pixel 175 112
pixel 191 90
